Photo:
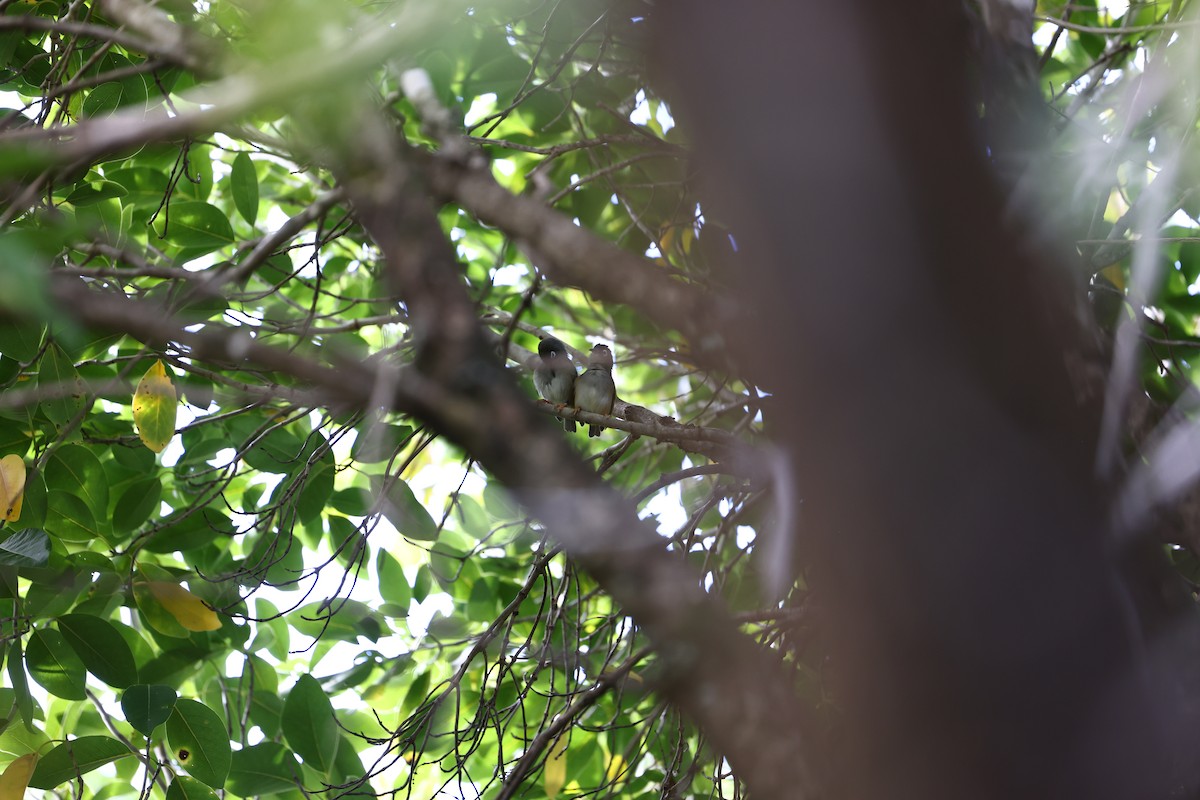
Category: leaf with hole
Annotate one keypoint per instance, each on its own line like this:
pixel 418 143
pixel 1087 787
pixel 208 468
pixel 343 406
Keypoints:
pixel 199 742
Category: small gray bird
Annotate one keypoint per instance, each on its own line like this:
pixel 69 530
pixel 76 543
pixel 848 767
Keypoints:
pixel 554 377
pixel 594 389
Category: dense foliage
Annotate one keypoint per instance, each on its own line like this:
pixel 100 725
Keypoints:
pixel 236 556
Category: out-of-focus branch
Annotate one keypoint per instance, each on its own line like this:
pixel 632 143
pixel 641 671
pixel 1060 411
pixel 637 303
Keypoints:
pixel 979 614
pixel 743 699
pixel 175 55
pixel 579 258
pixel 174 42
pixel 222 102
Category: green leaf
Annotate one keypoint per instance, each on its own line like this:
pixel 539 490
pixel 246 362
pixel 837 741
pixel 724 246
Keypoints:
pixel 349 766
pixel 199 742
pixel 318 486
pixel 74 758
pixel 21 339
pixel 401 508
pixel 262 769
pixel 28 547
pixel 54 665
pixel 345 621
pixel 101 647
pixel 69 519
pixel 378 442
pixel 18 739
pixel 20 684
pixel 146 706
pixel 243 183
pixel 25 254
pixel 144 187
pixel 189 532
pixel 185 788
pixel 393 585
pixel 197 227
pixel 308 724
pixel 95 191
pixel 103 219
pixel 278 451
pixel 136 505
pixel 60 382
pixel 103 99
pixel 75 469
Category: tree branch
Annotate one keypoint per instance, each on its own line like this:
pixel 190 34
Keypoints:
pixel 578 258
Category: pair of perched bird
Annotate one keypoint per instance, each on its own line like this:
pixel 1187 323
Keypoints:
pixel 557 382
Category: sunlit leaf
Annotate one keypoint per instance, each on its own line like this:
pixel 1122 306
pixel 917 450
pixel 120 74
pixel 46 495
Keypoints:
pixel 16 777
pixel 188 610
pixel 154 407
pixel 555 775
pixel 12 487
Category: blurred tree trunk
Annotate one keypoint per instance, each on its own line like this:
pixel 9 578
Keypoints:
pixel 989 638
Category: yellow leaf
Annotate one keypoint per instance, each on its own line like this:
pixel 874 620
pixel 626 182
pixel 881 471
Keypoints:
pixel 12 487
pixel 689 236
pixel 154 404
pixel 556 767
pixel 187 609
pixel 16 776
pixel 667 240
pixel 617 768
pixel 1115 275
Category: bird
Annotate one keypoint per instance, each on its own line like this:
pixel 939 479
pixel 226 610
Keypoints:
pixel 594 389
pixel 554 376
